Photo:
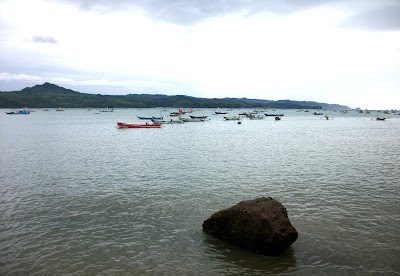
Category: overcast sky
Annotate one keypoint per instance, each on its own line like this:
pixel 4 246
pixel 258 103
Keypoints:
pixel 334 51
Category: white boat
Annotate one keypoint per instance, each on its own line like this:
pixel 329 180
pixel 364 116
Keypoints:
pixel 256 117
pixel 108 110
pixel 234 118
pixel 167 122
pixel 191 119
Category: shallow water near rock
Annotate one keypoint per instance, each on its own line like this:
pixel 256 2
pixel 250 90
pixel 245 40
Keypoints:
pixel 79 196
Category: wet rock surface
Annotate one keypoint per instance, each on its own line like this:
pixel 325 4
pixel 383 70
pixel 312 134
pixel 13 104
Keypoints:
pixel 259 225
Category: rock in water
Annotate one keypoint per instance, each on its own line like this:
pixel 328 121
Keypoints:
pixel 260 225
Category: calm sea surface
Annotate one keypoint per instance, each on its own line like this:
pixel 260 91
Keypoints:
pixel 80 197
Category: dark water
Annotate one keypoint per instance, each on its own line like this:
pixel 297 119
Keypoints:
pixel 79 196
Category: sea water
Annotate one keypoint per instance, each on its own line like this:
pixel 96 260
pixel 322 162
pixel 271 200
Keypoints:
pixel 79 196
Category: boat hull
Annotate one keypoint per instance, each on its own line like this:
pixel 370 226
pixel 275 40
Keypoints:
pixel 167 122
pixel 193 120
pixel 124 125
pixel 150 118
pixel 19 112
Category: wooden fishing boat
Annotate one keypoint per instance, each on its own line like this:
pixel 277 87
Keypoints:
pixel 107 110
pixel 256 117
pixel 198 117
pixel 124 125
pixel 21 111
pixel 167 122
pixel 191 120
pixel 234 118
pixel 179 113
pixel 273 115
pixel 150 118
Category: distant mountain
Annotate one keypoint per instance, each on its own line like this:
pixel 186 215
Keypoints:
pixel 311 105
pixel 51 95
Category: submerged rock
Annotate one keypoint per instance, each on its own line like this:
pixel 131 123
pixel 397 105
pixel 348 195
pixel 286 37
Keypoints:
pixel 260 225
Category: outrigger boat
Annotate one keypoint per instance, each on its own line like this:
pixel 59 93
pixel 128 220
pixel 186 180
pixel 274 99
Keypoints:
pixel 124 125
pixel 234 118
pixel 256 117
pixel 150 118
pixel 108 110
pixel 167 122
pixel 179 113
pixel 273 115
pixel 21 111
pixel 192 119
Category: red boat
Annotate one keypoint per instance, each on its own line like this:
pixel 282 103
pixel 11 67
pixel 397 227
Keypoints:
pixel 123 125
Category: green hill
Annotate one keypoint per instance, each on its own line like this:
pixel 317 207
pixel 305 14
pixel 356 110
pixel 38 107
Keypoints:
pixel 50 95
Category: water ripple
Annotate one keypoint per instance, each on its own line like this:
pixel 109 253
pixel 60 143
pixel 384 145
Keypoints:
pixel 82 197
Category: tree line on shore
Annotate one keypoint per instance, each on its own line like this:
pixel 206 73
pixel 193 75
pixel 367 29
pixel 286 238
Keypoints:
pixel 50 95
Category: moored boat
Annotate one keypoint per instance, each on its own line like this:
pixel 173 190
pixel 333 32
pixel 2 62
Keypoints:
pixel 179 113
pixel 150 118
pixel 273 115
pixel 198 117
pixel 256 117
pixel 167 122
pixel 192 119
pixel 21 111
pixel 234 118
pixel 124 125
pixel 107 110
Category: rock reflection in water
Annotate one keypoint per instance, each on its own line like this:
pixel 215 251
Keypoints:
pixel 233 260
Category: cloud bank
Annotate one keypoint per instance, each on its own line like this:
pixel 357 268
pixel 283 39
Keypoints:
pixel 44 39
pixel 368 14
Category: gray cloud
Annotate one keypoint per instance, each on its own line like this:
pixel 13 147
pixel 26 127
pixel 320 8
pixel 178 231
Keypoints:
pixel 187 12
pixel 382 18
pixel 44 39
pixel 365 14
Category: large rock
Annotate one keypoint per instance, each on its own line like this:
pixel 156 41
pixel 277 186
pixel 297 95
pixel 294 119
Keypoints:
pixel 260 225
